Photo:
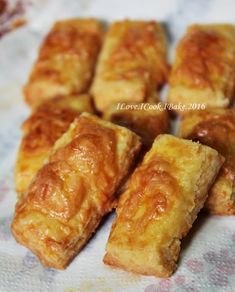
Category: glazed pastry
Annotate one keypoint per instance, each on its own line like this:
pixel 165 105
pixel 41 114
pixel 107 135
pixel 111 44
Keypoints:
pixel 216 128
pixel 74 190
pixel 162 200
pixel 66 60
pixel 132 63
pixel 40 131
pixel 203 72
pixel 147 120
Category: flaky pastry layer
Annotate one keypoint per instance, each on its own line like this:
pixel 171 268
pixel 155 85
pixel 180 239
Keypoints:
pixel 147 120
pixel 40 131
pixel 160 204
pixel 72 192
pixel 132 63
pixel 216 128
pixel 66 60
pixel 203 71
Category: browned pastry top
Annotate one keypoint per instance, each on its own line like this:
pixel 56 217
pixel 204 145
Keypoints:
pixel 139 41
pixel 151 185
pixel 45 126
pixel 56 192
pixel 203 58
pixel 65 41
pixel 216 131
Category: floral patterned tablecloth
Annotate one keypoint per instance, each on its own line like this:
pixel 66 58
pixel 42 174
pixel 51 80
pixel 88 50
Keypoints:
pixel 207 262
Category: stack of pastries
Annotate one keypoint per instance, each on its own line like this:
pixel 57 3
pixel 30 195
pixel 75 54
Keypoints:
pixel 97 139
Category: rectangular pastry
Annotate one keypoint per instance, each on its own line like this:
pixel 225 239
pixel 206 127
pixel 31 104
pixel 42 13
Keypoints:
pixel 160 204
pixel 216 128
pixel 132 63
pixel 203 72
pixel 72 192
pixel 40 131
pixel 66 60
pixel 147 120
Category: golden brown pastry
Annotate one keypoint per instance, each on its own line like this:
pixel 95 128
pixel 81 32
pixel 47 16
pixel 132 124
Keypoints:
pixel 163 198
pixel 74 190
pixel 147 120
pixel 40 131
pixel 203 72
pixel 66 60
pixel 216 128
pixel 132 63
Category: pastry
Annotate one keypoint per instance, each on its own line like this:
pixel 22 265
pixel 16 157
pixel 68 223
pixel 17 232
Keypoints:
pixel 40 131
pixel 132 63
pixel 72 192
pixel 66 60
pixel 216 128
pixel 160 204
pixel 147 120
pixel 203 74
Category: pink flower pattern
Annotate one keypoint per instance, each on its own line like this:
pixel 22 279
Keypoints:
pixel 217 267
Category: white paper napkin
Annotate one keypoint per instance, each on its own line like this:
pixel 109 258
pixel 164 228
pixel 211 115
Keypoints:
pixel 207 261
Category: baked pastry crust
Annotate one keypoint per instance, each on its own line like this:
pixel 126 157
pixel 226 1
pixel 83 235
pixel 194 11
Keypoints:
pixel 147 120
pixel 66 60
pixel 74 190
pixel 132 63
pixel 163 198
pixel 40 131
pixel 216 128
pixel 203 71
